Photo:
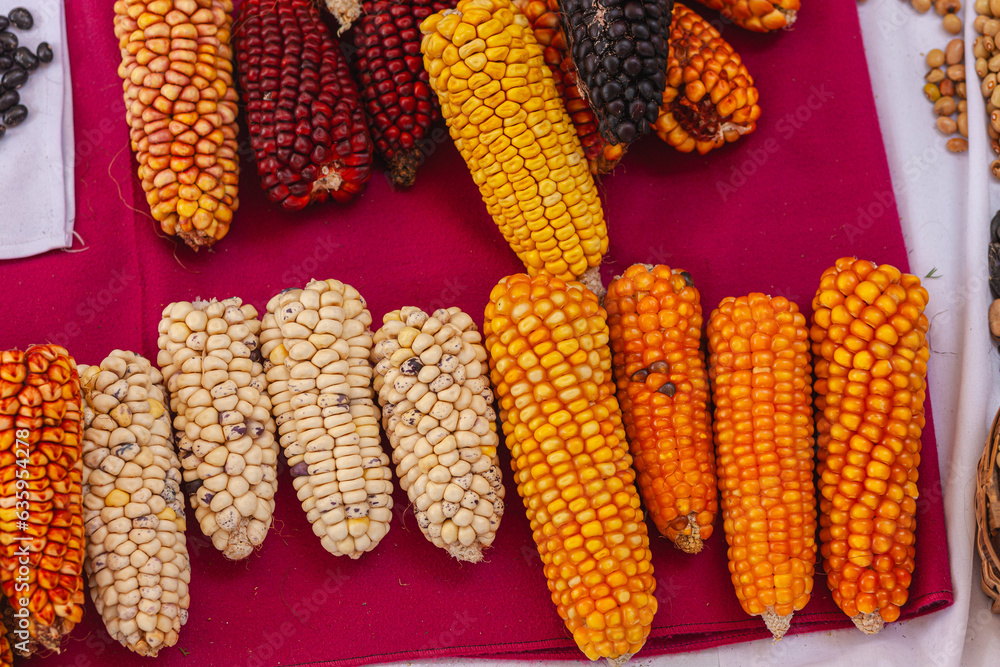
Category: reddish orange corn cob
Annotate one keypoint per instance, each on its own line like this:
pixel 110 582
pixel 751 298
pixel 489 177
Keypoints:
pixel 710 97
pixel 757 15
pixel 41 508
pixel 6 657
pixel 549 359
pixel 760 372
pixel 544 18
pixel 869 338
pixel 654 314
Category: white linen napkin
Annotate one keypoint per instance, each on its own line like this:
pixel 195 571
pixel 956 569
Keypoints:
pixel 37 206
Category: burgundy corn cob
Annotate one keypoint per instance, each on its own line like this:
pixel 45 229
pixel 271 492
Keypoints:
pixel 398 99
pixel 307 125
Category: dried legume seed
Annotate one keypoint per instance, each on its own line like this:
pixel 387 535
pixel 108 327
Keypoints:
pixel 943 7
pixel 960 90
pixel 991 27
pixel 8 42
pixel 956 73
pixel 6 62
pixel 21 17
pixel 982 67
pixel 935 76
pixel 932 92
pixel 952 24
pixel 963 124
pixel 995 7
pixel 995 168
pixel 957 145
pixel 980 22
pixel 945 106
pixel 946 125
pixel 978 50
pixel 982 6
pixel 8 99
pixel 962 106
pixel 15 115
pixel 947 87
pixel 13 78
pixel 935 58
pixel 954 52
pixel 3 131
pixel 921 6
pixel 44 52
pixel 25 58
pixel 4 22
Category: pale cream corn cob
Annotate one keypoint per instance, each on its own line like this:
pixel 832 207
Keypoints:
pixel 437 407
pixel 210 361
pixel 133 509
pixel 317 342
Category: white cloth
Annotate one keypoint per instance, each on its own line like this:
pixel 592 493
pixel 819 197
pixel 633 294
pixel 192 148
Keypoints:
pixel 945 208
pixel 36 166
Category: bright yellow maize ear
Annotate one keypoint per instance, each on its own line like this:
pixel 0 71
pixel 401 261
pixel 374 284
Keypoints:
pixel 509 123
pixel 550 362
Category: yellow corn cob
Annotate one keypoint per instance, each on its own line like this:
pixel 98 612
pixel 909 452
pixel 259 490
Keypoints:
pixel 218 394
pixel 6 657
pixel 137 557
pixel 654 314
pixel 437 409
pixel 41 523
pixel 757 15
pixel 509 123
pixel 760 373
pixel 869 338
pixel 317 342
pixel 551 366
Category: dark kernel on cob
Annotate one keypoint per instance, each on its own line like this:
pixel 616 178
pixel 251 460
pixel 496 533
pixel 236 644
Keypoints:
pixel 398 100
pixel 307 126
pixel 620 51
pixel 710 99
pixel 869 339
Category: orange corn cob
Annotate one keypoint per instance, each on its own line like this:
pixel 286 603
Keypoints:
pixel 757 15
pixel 41 523
pixel 869 338
pixel 654 314
pixel 763 426
pixel 544 18
pixel 710 97
pixel 551 366
pixel 6 657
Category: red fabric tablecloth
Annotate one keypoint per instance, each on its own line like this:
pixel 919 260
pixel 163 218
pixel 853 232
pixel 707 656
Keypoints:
pixel 768 214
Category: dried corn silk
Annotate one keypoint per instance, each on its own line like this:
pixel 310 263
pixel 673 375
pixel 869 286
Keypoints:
pixel 137 558
pixel 210 362
pixel 437 407
pixel 317 342
pixel 41 523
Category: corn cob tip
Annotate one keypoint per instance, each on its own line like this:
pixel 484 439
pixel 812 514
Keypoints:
pixel 870 624
pixel 689 542
pixel 620 661
pixel 345 11
pixel 470 554
pixel 778 625
pixel 591 279
pixel 403 166
pixel 608 158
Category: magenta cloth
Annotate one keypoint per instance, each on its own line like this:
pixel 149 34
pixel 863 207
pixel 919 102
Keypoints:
pixel 767 214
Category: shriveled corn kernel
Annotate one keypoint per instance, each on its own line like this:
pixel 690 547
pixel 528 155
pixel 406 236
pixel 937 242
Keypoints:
pixel 869 450
pixel 654 317
pixel 764 452
pixel 605 473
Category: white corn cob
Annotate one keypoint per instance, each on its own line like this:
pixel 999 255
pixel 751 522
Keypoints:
pixel 210 361
pixel 316 342
pixel 437 407
pixel 133 510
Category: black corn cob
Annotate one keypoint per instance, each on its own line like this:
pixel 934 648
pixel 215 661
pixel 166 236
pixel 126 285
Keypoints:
pixel 620 50
pixel 398 100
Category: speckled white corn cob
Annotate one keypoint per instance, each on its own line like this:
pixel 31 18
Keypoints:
pixel 437 407
pixel 317 342
pixel 210 361
pixel 133 510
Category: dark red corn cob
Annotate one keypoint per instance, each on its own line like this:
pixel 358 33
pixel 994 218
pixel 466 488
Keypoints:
pixel 307 126
pixel 390 70
pixel 620 50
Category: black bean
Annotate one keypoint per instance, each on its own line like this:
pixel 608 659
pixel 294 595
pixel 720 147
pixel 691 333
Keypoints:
pixel 8 99
pixel 8 42
pixel 15 115
pixel 44 52
pixel 6 62
pixel 21 17
pixel 25 58
pixel 4 22
pixel 3 131
pixel 13 78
